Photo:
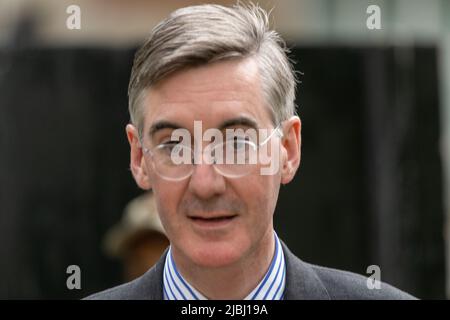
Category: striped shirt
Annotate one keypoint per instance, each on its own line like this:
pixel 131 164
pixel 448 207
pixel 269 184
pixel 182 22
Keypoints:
pixel 271 287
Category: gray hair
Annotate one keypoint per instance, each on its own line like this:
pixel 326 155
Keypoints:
pixel 198 35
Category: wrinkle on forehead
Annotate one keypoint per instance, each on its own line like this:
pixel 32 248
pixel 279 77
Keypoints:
pixel 209 93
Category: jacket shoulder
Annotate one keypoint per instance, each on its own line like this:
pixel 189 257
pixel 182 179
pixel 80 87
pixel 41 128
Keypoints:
pixel 146 287
pixel 308 281
pixel 126 291
pixel 344 285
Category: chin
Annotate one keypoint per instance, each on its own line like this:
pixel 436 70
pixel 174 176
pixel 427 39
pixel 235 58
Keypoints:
pixel 216 255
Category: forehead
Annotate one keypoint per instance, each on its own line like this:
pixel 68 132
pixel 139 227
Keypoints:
pixel 212 94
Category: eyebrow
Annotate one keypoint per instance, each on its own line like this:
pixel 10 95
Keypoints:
pixel 242 121
pixel 160 125
pixel 163 124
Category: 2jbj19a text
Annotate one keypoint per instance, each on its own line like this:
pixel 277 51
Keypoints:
pixel 244 310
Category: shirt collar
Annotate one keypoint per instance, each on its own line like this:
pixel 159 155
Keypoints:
pixel 271 287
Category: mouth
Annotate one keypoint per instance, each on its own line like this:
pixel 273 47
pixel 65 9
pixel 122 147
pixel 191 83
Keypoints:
pixel 213 222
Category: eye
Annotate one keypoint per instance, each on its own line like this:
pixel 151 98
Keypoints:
pixel 239 143
pixel 170 142
pixel 168 146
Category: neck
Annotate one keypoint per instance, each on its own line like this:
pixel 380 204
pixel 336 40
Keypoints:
pixel 236 280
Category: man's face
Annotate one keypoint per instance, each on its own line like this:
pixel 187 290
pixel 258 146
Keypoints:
pixel 217 95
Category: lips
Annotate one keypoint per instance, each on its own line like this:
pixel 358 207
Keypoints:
pixel 212 218
pixel 212 221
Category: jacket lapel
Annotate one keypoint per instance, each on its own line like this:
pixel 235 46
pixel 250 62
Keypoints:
pixel 302 282
pixel 150 285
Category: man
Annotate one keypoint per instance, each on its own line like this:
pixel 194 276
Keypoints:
pixel 224 69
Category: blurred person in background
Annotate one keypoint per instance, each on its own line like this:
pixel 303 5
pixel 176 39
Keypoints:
pixel 139 239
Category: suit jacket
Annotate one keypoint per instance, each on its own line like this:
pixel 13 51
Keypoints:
pixel 303 281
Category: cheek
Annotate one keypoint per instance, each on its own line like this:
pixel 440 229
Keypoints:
pixel 260 195
pixel 168 197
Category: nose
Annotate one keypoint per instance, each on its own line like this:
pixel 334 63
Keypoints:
pixel 205 182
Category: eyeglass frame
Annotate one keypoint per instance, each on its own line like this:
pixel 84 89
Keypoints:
pixel 147 151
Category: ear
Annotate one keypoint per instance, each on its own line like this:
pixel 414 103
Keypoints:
pixel 291 143
pixel 138 166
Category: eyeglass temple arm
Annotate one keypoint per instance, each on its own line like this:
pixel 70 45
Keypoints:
pixel 276 130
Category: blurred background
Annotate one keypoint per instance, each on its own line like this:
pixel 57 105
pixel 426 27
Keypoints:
pixel 374 182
